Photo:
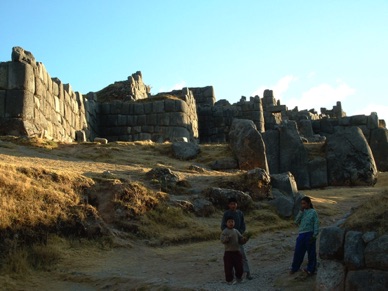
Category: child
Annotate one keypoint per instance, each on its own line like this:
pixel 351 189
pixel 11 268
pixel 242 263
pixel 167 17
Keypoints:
pixel 232 239
pixel 238 217
pixel 308 222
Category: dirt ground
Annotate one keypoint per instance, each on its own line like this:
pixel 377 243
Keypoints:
pixel 132 265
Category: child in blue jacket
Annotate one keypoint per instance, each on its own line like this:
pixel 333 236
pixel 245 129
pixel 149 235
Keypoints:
pixel 308 222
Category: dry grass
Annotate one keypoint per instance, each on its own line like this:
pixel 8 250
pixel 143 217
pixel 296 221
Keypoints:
pixel 44 183
pixel 32 196
pixel 169 225
pixel 371 215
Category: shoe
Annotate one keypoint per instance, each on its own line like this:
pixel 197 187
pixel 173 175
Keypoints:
pixel 307 272
pixel 292 272
pixel 232 282
pixel 240 280
pixel 248 276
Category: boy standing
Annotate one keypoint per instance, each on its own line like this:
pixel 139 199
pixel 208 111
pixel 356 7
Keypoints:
pixel 233 263
pixel 238 217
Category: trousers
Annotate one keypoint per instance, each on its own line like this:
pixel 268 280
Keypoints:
pixel 305 243
pixel 233 264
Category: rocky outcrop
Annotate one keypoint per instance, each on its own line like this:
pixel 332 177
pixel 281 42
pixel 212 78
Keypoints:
pixel 247 145
pixel 349 158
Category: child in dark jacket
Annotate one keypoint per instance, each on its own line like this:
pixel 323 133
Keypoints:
pixel 233 262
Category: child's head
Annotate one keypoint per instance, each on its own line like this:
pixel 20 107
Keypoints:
pixel 306 202
pixel 232 203
pixel 230 222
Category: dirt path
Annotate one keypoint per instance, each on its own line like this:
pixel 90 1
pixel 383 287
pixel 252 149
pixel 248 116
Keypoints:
pixel 196 266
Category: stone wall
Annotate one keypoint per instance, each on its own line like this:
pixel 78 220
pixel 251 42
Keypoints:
pixel 158 119
pixel 34 104
pixel 215 118
pixel 352 260
pixel 215 121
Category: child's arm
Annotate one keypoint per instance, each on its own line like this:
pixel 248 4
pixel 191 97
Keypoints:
pixel 241 239
pixel 224 238
pixel 299 217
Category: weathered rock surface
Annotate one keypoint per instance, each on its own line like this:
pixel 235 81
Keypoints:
pixel 354 250
pixel 331 243
pixel 293 154
pixel 379 146
pixel 247 144
pixel 220 196
pixel 257 181
pixel 227 163
pixel 168 179
pixel 349 158
pixel 376 253
pixel 366 280
pixel 185 150
pixel 330 276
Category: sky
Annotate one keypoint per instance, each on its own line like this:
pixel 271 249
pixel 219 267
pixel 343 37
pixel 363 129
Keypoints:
pixel 310 53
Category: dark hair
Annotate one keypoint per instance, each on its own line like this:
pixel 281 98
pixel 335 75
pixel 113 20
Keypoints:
pixel 232 199
pixel 229 217
pixel 308 200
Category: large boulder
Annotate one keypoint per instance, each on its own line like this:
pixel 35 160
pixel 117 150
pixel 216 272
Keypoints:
pixel 165 177
pixel 331 243
pixel 203 207
pixel 376 253
pixel 293 154
pixel 219 197
pixel 285 182
pixel 354 250
pixel 366 280
pixel 349 158
pixel 185 150
pixel 330 276
pixel 285 194
pixel 247 145
pixel 379 146
pixel 284 204
pixel 257 181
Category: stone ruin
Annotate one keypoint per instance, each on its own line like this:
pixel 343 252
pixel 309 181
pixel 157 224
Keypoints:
pixel 32 103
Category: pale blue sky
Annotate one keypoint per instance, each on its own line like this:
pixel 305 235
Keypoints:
pixel 311 53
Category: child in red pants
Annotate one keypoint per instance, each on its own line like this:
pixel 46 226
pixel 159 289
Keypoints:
pixel 233 263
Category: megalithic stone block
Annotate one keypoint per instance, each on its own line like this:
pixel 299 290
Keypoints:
pixel 4 75
pixel 2 103
pixel 19 104
pixel 21 77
